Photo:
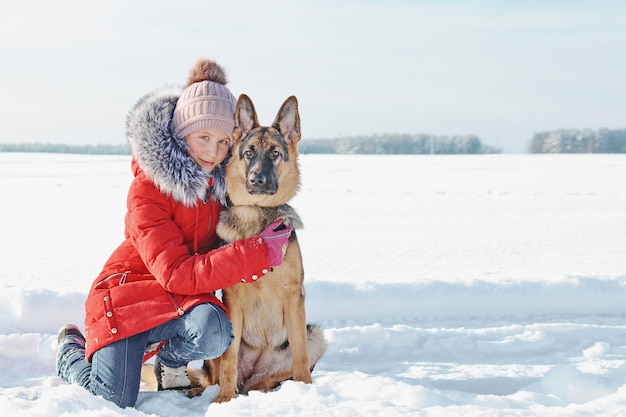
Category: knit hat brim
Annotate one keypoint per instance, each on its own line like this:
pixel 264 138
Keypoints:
pixel 209 121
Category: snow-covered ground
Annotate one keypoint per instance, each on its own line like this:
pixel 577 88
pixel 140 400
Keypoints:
pixel 489 285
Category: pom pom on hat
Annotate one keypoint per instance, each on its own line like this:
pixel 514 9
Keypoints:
pixel 206 70
pixel 206 103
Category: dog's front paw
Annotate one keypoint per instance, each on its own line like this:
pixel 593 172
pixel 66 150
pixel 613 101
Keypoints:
pixel 223 397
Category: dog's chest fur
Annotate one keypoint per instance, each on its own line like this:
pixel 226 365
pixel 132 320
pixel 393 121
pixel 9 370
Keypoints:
pixel 241 222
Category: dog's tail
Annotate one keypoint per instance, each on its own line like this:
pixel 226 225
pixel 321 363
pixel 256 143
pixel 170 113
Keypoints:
pixel 316 343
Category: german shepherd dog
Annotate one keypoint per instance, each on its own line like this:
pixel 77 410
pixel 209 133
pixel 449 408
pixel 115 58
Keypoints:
pixel 272 342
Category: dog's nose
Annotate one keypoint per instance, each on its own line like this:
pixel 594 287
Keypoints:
pixel 257 179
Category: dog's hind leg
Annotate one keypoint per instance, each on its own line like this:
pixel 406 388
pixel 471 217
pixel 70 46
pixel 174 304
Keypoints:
pixel 275 365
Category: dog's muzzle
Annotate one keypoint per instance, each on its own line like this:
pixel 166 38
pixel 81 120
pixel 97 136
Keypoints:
pixel 261 184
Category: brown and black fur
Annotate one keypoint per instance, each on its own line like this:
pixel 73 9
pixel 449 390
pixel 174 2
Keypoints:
pixel 272 341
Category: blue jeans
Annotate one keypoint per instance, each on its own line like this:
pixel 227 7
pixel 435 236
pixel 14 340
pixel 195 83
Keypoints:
pixel 204 332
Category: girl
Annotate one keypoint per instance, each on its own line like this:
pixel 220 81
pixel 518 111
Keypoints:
pixel 155 294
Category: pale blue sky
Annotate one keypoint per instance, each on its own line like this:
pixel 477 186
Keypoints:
pixel 503 70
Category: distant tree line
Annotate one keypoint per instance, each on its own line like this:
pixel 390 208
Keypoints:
pixel 376 144
pixel 61 148
pixel 555 141
pixel 579 141
pixel 398 144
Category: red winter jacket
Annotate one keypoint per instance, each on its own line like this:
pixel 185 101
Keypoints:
pixel 169 261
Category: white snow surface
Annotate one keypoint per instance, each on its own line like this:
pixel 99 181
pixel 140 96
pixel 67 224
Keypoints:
pixel 490 285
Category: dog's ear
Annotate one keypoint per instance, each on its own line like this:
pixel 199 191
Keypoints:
pixel 245 116
pixel 288 120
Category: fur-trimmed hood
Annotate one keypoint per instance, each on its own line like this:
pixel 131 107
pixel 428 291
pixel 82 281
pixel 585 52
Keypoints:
pixel 163 156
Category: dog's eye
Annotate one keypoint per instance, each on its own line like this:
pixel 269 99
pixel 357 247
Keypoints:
pixel 248 154
pixel 275 154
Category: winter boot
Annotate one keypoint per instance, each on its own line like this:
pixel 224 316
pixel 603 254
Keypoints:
pixel 171 378
pixel 70 361
pixel 71 330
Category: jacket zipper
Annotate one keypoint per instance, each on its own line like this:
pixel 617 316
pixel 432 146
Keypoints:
pixel 178 307
pixel 110 277
pixel 195 231
pixel 124 274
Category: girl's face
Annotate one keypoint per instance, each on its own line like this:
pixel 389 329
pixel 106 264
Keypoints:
pixel 208 147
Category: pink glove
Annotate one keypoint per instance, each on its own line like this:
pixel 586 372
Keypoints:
pixel 275 238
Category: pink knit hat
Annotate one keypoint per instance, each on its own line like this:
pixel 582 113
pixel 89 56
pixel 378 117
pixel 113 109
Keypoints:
pixel 206 103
